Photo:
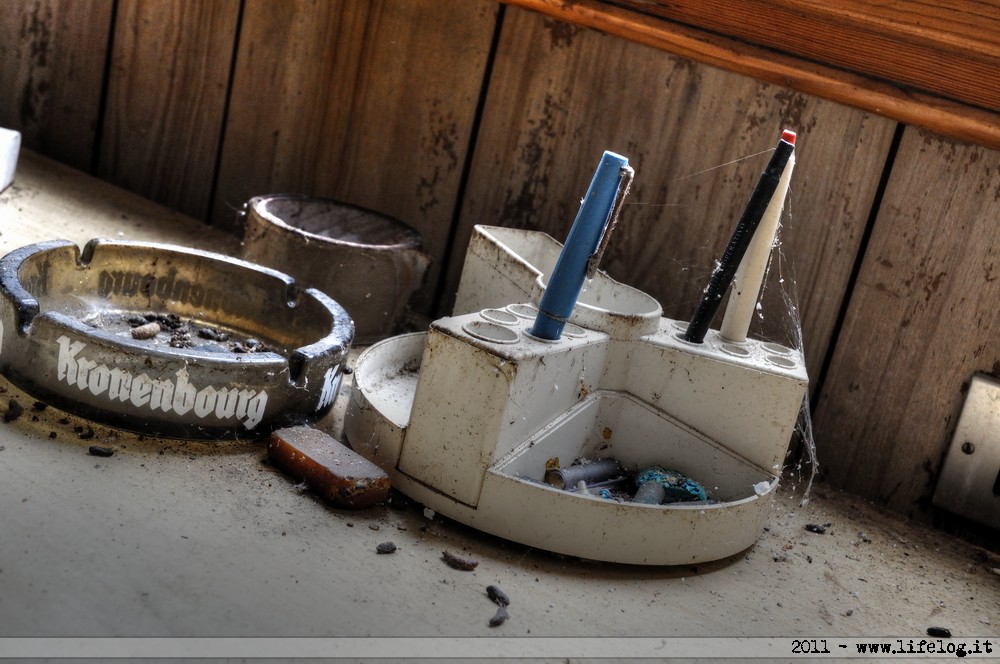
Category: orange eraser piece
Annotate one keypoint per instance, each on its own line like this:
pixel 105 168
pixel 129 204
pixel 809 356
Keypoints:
pixel 328 467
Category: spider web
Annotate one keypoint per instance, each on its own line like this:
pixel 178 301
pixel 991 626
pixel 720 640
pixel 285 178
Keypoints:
pixel 778 301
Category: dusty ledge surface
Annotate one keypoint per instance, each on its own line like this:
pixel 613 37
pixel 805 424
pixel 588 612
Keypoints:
pixel 175 538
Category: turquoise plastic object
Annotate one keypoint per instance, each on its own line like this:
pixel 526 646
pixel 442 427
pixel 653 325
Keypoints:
pixel 679 487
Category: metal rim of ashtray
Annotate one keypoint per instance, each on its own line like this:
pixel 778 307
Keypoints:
pixel 259 352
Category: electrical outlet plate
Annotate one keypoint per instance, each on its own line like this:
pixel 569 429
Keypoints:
pixel 970 479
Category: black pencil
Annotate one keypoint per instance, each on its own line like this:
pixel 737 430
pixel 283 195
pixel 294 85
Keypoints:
pixel 723 275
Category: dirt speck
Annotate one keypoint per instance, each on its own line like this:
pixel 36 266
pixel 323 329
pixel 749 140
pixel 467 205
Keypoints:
pixel 560 33
pixel 14 411
pixel 497 595
pixel 460 562
pixel 500 617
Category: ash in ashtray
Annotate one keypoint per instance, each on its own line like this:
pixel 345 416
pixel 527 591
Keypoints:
pixel 212 334
pixel 171 329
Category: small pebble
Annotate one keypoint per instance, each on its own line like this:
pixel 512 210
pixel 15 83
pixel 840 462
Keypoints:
pixel 459 562
pixel 373 526
pixel 97 450
pixel 14 411
pixel 815 528
pixel 497 595
pixel 940 632
pixel 39 405
pixel 499 617
pixel 386 547
pixel 87 435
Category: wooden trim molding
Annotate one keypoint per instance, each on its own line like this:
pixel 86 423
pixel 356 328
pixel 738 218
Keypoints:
pixel 929 64
pixel 948 48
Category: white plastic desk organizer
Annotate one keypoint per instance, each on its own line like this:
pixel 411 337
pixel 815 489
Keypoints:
pixel 465 416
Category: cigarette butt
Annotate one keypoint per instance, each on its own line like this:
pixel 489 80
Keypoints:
pixel 147 331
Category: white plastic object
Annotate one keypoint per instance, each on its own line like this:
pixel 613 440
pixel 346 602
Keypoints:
pixel 10 146
pixel 465 417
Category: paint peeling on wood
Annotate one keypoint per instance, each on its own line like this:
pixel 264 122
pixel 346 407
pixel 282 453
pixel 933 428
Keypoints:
pixel 441 144
pixel 36 33
pixel 51 66
pixel 561 34
pixel 528 196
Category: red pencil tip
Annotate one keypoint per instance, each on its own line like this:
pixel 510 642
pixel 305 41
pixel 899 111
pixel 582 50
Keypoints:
pixel 789 136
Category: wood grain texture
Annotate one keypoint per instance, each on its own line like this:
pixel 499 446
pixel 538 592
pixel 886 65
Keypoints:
pixel 922 320
pixel 560 95
pixel 52 56
pixel 878 95
pixel 166 99
pixel 369 103
pixel 951 48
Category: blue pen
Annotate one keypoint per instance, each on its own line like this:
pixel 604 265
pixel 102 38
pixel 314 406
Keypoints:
pixel 584 246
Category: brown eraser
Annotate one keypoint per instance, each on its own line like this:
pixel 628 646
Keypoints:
pixel 328 467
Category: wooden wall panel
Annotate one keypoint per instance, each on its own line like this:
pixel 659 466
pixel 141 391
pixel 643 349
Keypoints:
pixel 923 318
pixel 166 99
pixel 52 57
pixel 370 103
pixel 561 95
